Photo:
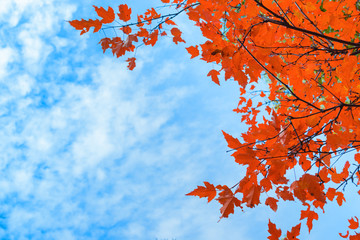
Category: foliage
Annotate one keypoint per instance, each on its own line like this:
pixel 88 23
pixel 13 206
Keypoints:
pixel 309 51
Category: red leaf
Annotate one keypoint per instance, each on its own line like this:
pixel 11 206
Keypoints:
pixel 177 35
pixel 252 198
pixel 357 157
pixel 194 51
pixel 345 236
pixel 152 39
pixel 310 215
pixel 107 16
pixel 105 43
pixel 353 224
pixel 126 29
pixel 295 231
pixel 214 76
pixel 125 12
pixel 208 191
pixel 272 203
pixel 340 198
pixel 275 233
pixel 131 62
pixel 169 21
pixel 85 25
pixel 228 200
pixel 231 141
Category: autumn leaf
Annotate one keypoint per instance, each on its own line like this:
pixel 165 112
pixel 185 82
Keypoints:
pixel 85 25
pixel 126 29
pixel 131 62
pixel 252 197
pixel 214 76
pixel 233 143
pixel 310 215
pixel 272 203
pixel 124 12
pixel 169 21
pixel 294 233
pixel 353 224
pixel 275 233
pixel 357 157
pixel 105 43
pixel 346 235
pixel 177 35
pixel 208 191
pixel 228 201
pixel 194 51
pixel 107 16
pixel 152 39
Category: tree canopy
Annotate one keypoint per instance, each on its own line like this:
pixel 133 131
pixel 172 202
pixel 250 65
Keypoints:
pixel 307 53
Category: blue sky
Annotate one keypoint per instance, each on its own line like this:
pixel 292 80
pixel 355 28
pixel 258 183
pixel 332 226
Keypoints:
pixel 90 150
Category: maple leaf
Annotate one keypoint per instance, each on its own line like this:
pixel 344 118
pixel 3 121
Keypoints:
pixel 355 237
pixel 152 39
pixel 105 43
pixel 194 51
pixel 126 29
pixel 131 62
pixel 208 191
pixel 124 12
pixel 233 143
pixel 228 201
pixel 177 35
pixel 214 76
pixel 310 215
pixel 353 224
pixel 345 236
pixel 275 233
pixel 85 25
pixel 294 233
pixel 129 41
pixel 252 197
pixel 169 21
pixel 340 198
pixel 107 16
pixel 272 203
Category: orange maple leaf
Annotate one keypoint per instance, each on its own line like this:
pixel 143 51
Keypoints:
pixel 152 39
pixel 272 203
pixel 208 191
pixel 275 233
pixel 85 25
pixel 353 224
pixel 310 215
pixel 214 76
pixel 194 51
pixel 228 201
pixel 232 142
pixel 294 233
pixel 125 12
pixel 107 16
pixel 131 62
pixel 177 35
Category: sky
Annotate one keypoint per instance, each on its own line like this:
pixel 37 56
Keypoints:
pixel 90 150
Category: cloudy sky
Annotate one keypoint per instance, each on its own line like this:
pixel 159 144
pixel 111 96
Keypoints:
pixel 90 150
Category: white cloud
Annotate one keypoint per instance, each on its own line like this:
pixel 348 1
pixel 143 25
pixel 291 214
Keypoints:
pixel 8 55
